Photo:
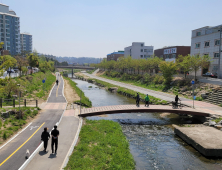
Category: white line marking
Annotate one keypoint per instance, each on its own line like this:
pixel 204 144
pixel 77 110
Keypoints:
pixel 16 135
pixel 32 127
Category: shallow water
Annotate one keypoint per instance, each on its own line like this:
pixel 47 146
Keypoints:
pixel 151 137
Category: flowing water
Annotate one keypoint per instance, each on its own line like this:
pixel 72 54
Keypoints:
pixel 153 143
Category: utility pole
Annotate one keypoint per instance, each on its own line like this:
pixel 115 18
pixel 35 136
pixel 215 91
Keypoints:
pixel 218 75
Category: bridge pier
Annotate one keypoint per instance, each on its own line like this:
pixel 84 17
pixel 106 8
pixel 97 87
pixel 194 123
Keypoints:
pixel 201 119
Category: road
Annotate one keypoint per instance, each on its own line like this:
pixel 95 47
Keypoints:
pixel 12 156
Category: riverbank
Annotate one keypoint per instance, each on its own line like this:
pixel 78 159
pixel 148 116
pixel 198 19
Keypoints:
pixel 124 91
pixel 84 100
pixel 102 145
pixel 179 85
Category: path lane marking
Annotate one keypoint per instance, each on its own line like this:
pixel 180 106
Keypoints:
pixel 21 145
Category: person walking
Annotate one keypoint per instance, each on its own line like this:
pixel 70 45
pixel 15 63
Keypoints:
pixel 57 82
pixel 45 137
pixel 54 134
pixel 147 101
pixel 176 100
pixel 138 100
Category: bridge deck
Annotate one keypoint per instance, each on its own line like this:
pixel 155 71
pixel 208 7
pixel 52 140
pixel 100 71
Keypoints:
pixel 94 111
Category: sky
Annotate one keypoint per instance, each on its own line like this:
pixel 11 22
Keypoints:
pixel 87 28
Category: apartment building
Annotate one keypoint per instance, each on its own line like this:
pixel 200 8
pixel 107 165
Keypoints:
pixel 115 55
pixel 138 50
pixel 26 42
pixel 206 41
pixel 10 30
pixel 172 52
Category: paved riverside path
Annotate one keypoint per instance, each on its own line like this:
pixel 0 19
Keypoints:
pixel 199 105
pixel 94 111
pixel 12 155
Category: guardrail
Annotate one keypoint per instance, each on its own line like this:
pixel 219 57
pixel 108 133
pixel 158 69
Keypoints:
pixel 12 102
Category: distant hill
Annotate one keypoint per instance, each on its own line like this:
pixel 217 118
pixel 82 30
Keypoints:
pixel 80 60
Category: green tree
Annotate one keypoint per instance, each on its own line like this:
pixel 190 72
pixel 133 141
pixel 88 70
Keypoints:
pixel 168 69
pixel 33 60
pixel 197 62
pixel 184 64
pixel 21 62
pixel 7 62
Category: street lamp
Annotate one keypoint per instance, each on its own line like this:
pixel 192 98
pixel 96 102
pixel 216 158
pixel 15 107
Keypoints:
pixel 218 75
pixel 19 101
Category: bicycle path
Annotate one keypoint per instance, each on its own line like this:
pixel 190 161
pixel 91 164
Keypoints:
pixel 12 155
pixel 199 105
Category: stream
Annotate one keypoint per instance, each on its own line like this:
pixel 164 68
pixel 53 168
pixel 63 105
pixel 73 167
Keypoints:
pixel 153 143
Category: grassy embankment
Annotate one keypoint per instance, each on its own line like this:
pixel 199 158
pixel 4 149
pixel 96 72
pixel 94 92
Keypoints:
pixel 84 100
pixel 129 93
pixel 10 125
pixel 154 82
pixel 31 87
pixel 102 146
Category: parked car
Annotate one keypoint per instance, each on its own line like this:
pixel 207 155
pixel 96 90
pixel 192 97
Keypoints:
pixel 10 71
pixel 208 74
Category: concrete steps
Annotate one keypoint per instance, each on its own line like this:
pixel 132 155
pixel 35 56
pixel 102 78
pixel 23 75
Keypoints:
pixel 215 98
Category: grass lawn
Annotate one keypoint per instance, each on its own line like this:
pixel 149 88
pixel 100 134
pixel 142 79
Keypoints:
pixel 156 87
pixel 102 146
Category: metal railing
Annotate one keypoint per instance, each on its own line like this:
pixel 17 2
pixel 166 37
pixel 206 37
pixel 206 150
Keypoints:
pixel 13 102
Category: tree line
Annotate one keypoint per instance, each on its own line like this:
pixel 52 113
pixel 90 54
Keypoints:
pixel 154 64
pixel 22 62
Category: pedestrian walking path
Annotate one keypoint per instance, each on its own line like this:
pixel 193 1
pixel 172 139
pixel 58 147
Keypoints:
pixel 46 160
pixel 199 105
pixel 12 155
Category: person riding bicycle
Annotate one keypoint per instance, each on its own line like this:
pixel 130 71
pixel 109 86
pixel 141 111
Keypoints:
pixel 57 82
pixel 176 100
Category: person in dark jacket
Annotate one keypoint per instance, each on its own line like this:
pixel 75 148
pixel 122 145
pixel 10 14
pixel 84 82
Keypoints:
pixel 45 137
pixel 176 100
pixel 54 134
pixel 138 100
pixel 57 82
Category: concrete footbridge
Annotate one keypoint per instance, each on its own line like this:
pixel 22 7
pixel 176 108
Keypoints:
pixel 95 111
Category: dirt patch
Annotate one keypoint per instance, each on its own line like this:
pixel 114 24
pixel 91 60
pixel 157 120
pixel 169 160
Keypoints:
pixel 81 74
pixel 100 72
pixel 70 94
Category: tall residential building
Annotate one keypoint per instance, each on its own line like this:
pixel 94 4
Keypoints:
pixel 206 41
pixel 115 55
pixel 26 42
pixel 10 30
pixel 138 50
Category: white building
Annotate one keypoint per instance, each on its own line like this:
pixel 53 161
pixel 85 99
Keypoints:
pixel 10 30
pixel 138 50
pixel 26 42
pixel 205 41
